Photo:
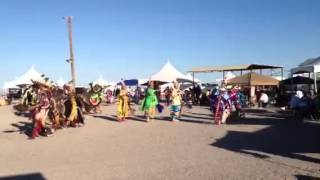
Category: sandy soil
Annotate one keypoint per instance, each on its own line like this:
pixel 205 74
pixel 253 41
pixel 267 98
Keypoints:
pixel 265 145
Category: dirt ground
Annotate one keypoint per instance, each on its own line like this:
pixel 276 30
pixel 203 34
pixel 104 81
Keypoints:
pixel 264 145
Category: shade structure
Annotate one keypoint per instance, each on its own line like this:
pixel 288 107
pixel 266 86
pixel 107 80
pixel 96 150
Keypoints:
pixel 311 65
pixel 232 68
pixel 253 79
pixel 298 80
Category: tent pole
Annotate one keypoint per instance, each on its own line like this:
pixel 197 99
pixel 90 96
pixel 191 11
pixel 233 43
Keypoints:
pixel 223 73
pixel 193 78
pixel 315 83
pixel 281 74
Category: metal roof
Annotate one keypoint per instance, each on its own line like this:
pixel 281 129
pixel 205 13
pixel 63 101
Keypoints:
pixel 233 68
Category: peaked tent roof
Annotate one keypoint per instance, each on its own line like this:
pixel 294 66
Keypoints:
pixel 168 73
pixel 31 74
pixel 253 79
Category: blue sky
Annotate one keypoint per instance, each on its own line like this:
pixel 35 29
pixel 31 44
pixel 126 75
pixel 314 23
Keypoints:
pixel 135 38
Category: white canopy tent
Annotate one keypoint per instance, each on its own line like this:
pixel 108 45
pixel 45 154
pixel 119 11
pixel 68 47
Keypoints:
pixel 142 81
pixel 25 79
pixel 100 81
pixel 168 73
pixel 190 77
pixel 61 82
pixel 309 66
pixel 11 84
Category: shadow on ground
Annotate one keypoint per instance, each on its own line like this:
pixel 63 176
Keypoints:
pixel 284 137
pixel 22 128
pixel 303 177
pixel 33 176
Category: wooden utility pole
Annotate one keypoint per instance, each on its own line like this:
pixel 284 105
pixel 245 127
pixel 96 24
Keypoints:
pixel 71 60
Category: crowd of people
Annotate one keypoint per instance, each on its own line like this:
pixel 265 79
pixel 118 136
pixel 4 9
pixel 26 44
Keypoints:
pixel 304 105
pixel 52 108
pixel 222 102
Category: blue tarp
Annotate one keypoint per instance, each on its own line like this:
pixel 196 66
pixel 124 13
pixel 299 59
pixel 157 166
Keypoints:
pixel 130 82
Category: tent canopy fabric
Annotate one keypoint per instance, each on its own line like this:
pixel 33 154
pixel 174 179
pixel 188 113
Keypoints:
pixel 297 80
pixel 100 81
pixel 308 66
pixel 31 74
pixel 142 81
pixel 168 73
pixel 311 62
pixel 9 85
pixel 61 82
pixel 25 79
pixel 305 69
pixel 189 76
pixel 253 79
pixel 130 82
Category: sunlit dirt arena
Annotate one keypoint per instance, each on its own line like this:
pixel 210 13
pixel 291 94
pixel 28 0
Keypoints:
pixel 264 145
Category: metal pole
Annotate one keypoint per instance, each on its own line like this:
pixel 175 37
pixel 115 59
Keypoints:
pixel 193 78
pixel 315 82
pixel 71 60
pixel 223 80
pixel 281 74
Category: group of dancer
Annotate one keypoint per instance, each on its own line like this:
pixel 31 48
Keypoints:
pixel 51 108
pixel 150 103
pixel 225 103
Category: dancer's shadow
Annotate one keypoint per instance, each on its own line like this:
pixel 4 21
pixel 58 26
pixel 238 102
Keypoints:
pixel 33 176
pixel 188 119
pixel 114 118
pixel 109 118
pixel 303 177
pixel 22 128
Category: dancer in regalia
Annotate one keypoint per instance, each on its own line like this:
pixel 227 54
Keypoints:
pixel 176 101
pixel 73 112
pixel 40 114
pixel 150 102
pixel 221 107
pixel 124 103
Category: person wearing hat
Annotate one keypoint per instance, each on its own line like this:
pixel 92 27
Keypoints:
pixel 124 103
